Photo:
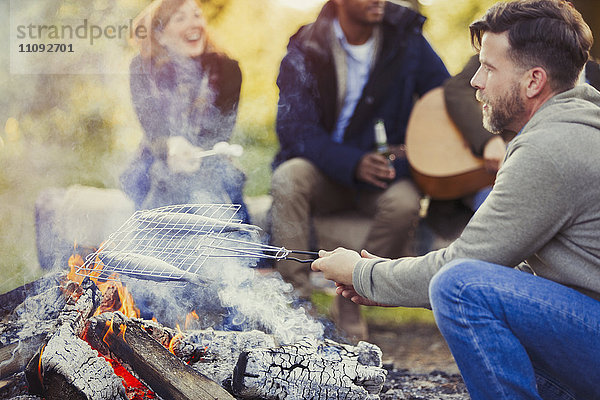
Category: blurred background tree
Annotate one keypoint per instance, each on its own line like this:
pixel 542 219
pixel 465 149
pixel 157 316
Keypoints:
pixel 590 9
pixel 58 130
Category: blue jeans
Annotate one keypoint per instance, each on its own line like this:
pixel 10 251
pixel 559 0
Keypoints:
pixel 515 335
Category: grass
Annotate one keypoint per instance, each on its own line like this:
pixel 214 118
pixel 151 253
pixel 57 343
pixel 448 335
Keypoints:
pixel 256 163
pixel 382 316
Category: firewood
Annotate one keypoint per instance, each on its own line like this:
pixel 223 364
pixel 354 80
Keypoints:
pixel 15 356
pixel 310 370
pixel 70 304
pixel 215 353
pixel 162 371
pixel 333 370
pixel 82 302
pixel 15 387
pixel 69 363
pixel 10 300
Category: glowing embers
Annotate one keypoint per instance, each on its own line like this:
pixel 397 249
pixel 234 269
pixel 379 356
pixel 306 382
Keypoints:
pixel 162 371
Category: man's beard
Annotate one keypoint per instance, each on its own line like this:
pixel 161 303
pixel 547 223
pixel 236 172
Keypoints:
pixel 501 111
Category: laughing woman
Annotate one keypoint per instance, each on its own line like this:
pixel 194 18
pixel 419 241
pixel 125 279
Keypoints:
pixel 185 93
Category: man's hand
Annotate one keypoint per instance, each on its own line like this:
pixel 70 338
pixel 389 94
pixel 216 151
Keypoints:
pixel 349 292
pixel 493 154
pixel 336 265
pixel 375 169
pixel 182 156
pixel 397 151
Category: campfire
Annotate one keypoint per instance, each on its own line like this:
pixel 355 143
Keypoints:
pixel 82 336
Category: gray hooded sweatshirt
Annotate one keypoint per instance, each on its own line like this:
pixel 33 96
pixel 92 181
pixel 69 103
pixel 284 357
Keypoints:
pixel 544 209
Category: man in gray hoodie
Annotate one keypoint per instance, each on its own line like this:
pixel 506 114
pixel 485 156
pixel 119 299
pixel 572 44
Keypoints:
pixel 517 295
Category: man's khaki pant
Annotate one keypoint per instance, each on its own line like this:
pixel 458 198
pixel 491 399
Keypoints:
pixel 300 190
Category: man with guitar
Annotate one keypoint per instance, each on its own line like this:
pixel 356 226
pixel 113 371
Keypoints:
pixel 517 295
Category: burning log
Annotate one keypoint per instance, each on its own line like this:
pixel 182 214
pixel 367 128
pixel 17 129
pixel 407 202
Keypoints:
pixel 71 369
pixel 161 370
pixel 67 367
pixel 310 370
pixel 15 356
pixel 253 366
pixel 215 353
pixel 27 328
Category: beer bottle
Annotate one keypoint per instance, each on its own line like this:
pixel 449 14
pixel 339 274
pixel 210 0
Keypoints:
pixel 381 143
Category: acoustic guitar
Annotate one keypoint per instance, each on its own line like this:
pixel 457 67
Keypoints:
pixel 441 161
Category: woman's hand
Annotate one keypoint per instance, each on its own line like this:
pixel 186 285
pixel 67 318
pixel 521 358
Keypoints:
pixel 182 156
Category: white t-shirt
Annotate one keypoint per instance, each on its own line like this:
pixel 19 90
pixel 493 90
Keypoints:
pixel 358 61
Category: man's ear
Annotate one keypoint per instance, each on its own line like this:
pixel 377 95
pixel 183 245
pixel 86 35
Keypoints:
pixel 537 79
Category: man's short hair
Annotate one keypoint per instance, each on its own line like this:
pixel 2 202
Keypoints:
pixel 542 33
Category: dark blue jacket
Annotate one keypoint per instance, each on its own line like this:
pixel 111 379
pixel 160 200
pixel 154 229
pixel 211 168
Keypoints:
pixel 406 67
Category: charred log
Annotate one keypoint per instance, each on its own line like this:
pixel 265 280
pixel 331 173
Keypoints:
pixel 36 315
pixel 15 356
pixel 310 370
pixel 69 365
pixel 212 353
pixel 110 300
pixel 14 386
pixel 69 304
pixel 10 300
pixel 333 371
pixel 215 353
pixel 161 370
pixel 82 301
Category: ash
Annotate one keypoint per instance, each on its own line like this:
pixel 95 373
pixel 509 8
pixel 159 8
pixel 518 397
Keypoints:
pixel 402 384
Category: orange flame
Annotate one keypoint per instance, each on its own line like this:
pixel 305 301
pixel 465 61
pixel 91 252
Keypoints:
pixel 40 374
pixel 122 329
pixel 190 318
pixel 173 340
pixel 128 307
pixel 109 331
pixel 134 388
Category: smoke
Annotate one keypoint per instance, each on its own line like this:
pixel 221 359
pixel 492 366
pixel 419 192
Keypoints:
pixel 73 123
pixel 238 298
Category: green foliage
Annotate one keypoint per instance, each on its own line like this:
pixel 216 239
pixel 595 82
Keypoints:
pixel 214 9
pixel 447 28
pixel 259 48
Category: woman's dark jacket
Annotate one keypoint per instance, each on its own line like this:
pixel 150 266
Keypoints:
pixel 406 66
pixel 172 99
